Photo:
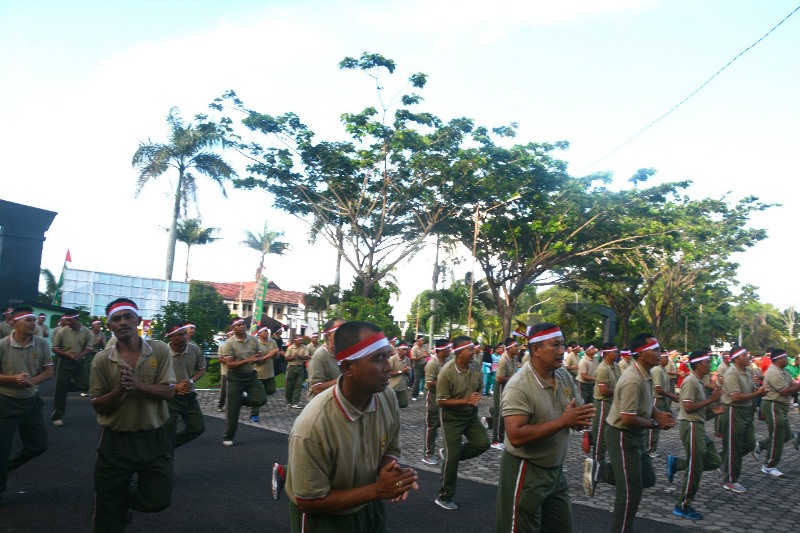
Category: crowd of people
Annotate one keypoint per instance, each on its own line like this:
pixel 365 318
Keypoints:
pixel 344 447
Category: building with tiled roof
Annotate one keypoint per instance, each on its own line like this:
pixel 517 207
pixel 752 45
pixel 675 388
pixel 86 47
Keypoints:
pixel 287 307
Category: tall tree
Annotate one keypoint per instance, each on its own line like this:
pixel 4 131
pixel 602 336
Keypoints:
pixel 265 242
pixel 51 286
pixel 376 197
pixel 188 150
pixel 320 299
pixel 191 232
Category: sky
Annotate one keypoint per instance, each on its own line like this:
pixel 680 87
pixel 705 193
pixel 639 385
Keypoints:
pixel 84 82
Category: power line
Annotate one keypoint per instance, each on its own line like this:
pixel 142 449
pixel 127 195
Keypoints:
pixel 676 106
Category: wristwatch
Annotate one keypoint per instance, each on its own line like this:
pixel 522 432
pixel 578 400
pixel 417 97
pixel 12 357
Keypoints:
pixel 655 423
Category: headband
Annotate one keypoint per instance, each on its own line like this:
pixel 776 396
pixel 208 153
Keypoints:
pixel 652 346
pixel 117 307
pixel 737 353
pixel 546 334
pixel 511 345
pixel 97 322
pixel 315 335
pixel 265 328
pixel 446 346
pixel 71 316
pixel 23 314
pixel 190 325
pixel 237 322
pixel 461 347
pixel 403 345
pixel 589 347
pixel 700 358
pixel 776 357
pixel 363 348
pixel 176 330
pixel 331 330
pixel 614 349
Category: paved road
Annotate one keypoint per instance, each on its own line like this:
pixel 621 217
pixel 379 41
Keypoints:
pixel 221 489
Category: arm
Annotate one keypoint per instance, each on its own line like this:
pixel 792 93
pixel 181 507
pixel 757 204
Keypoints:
pixel 742 396
pixel 520 432
pixel 662 392
pixel 690 406
pixel 319 387
pixel 605 390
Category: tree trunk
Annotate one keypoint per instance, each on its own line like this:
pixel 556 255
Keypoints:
pixel 340 245
pixel 188 249
pixel 172 236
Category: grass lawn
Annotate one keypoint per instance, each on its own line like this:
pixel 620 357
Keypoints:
pixel 205 382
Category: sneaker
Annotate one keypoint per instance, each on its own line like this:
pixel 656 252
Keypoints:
pixel 757 452
pixel 58 423
pixel 278 481
pixel 590 468
pixel 721 471
pixel 430 460
pixel 735 487
pixel 654 455
pixel 220 409
pixel 688 512
pixel 672 467
pixel 484 422
pixel 227 442
pixel 587 443
pixel 441 453
pixel 254 418
pixel 450 505
pixel 413 398
pixel 297 406
pixel 774 472
pixel 498 446
pixel 84 394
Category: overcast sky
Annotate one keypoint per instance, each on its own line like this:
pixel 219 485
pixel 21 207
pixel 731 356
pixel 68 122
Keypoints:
pixel 85 81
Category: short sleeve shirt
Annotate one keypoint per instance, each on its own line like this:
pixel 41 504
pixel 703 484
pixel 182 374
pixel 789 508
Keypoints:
pixel 528 394
pixel 418 352
pixel 507 367
pixel 608 375
pixel 692 390
pixel 432 370
pixel 266 369
pixel 240 349
pixel 774 380
pixel 737 382
pixel 721 369
pixel 588 366
pixel 187 363
pixel 322 368
pixel 70 340
pixel 137 412
pixel 454 383
pixel 16 358
pixel 296 352
pixel 623 364
pixel 570 359
pixel 399 382
pixel 333 445
pixel 660 379
pixel 633 395
pixel 311 348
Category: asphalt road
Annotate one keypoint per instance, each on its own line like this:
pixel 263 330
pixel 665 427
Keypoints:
pixel 220 489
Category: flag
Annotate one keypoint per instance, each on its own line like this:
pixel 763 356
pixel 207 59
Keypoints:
pixel 68 259
pixel 57 295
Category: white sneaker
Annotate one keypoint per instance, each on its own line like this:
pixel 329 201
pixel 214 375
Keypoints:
pixel 441 453
pixel 430 460
pixel 498 446
pixel 774 472
pixel 757 452
pixel 227 443
pixel 58 423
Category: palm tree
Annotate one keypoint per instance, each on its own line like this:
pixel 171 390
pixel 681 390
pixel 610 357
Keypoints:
pixel 265 242
pixel 189 148
pixel 190 231
pixel 51 287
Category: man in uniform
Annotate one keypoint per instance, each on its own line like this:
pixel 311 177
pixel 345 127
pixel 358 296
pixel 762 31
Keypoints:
pixel 295 360
pixel 24 363
pixel 632 412
pixel 41 328
pixel 701 455
pixel 401 366
pixel 540 404
pixel 506 368
pixel 265 367
pixel 721 369
pixel 71 345
pixel 132 383
pixel 189 366
pixel 97 342
pixel 663 397
pixel 5 326
pixel 419 354
pixel 458 393
pixel 738 433
pixel 432 421
pixel 571 359
pixel 587 367
pixel 312 346
pixel 322 368
pixel 625 360
pixel 608 373
pixel 240 353
pixel 344 447
pixel 779 388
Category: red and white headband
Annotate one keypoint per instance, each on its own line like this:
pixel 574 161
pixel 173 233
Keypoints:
pixel 363 348
pixel 331 330
pixel 737 353
pixel 176 330
pixel 461 347
pixel 71 316
pixel 315 335
pixel 445 347
pixel 511 345
pixel 237 322
pixel 776 357
pixel 265 328
pixel 116 308
pixel 608 350
pixel 23 314
pixel 97 322
pixel 700 358
pixel 546 334
pixel 652 346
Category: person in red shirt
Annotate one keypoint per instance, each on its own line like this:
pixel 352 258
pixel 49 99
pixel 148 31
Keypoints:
pixel 683 371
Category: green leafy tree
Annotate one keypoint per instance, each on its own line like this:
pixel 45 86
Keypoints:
pixel 51 287
pixel 190 232
pixel 265 242
pixel 320 299
pixel 374 308
pixel 188 150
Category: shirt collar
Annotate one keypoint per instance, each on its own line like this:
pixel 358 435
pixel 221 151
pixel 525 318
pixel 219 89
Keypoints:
pixel 146 350
pixel 350 413
pixel 543 384
pixel 15 344
pixel 644 375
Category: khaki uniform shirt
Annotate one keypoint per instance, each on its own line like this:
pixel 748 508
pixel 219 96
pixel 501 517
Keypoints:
pixel 692 390
pixel 721 373
pixel 661 379
pixel 609 375
pixel 399 382
pixel 432 370
pixel 70 340
pixel 419 352
pixel 322 368
pixel 633 395
pixel 737 382
pixel 266 369
pixel 776 379
pixel 15 358
pixel 623 364
pixel 570 359
pixel 506 367
pixel 187 363
pixel 296 352
pixel 588 366
pixel 97 341
pixel 137 412
pixel 333 445
pixel 454 383
pixel 528 394
pixel 240 350
pixel 311 349
pixel 5 329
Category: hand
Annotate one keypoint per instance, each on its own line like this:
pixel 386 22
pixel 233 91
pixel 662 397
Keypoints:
pixel 128 380
pixel 577 416
pixel 665 420
pixel 24 380
pixel 761 391
pixel 716 395
pixel 475 398
pixel 718 409
pixel 395 482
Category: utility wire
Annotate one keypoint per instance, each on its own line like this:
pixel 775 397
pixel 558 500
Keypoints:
pixel 676 106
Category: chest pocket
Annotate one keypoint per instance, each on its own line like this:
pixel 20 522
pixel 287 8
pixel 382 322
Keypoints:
pixel 149 370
